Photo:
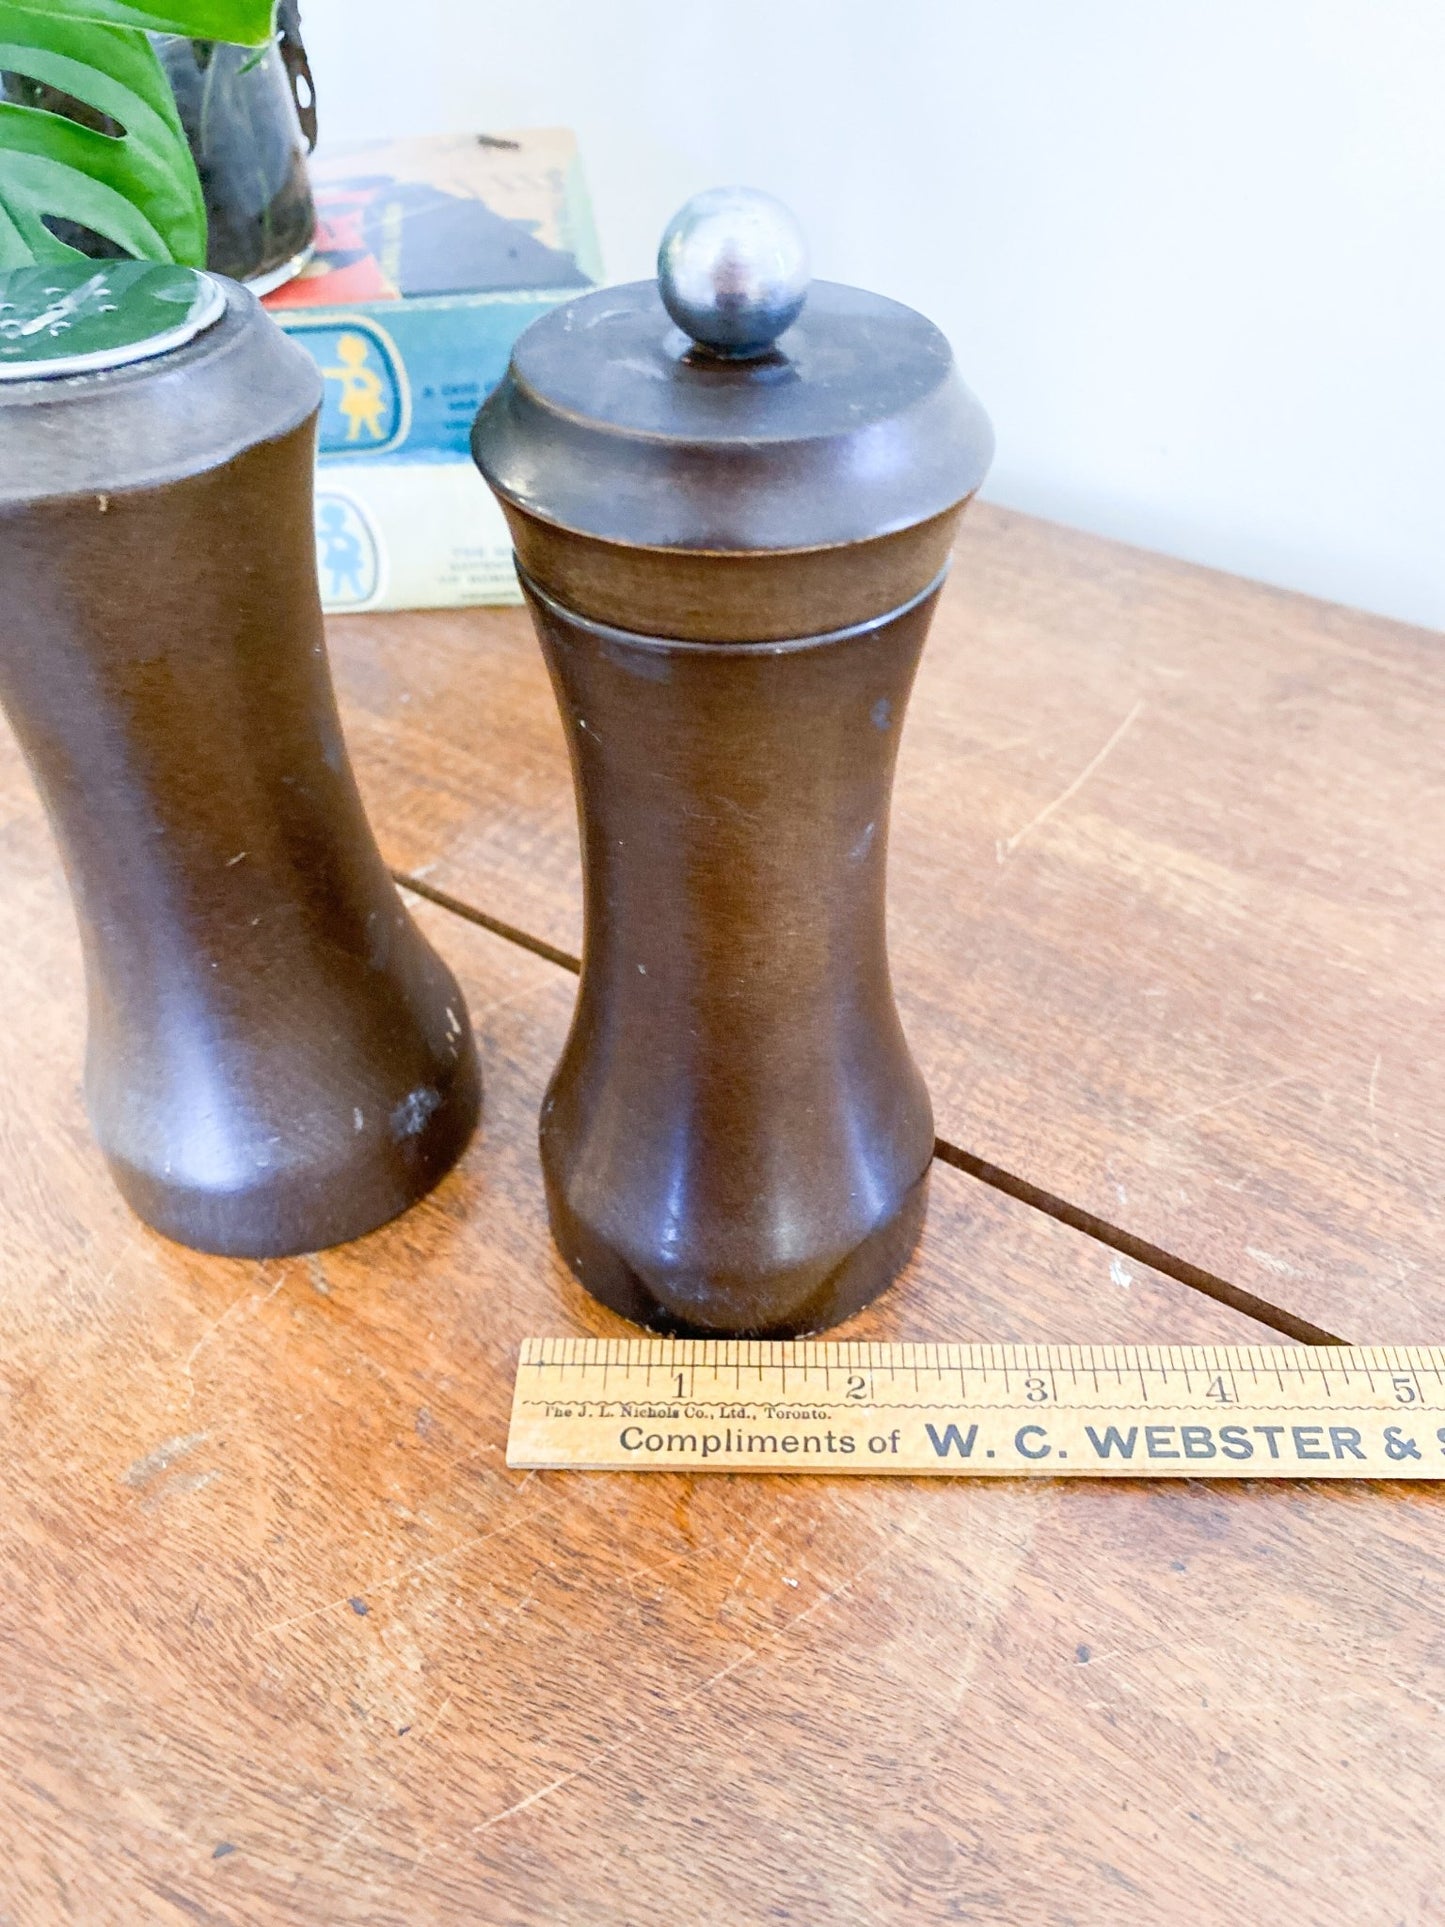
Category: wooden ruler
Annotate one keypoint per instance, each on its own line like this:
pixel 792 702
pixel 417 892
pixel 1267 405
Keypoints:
pixel 981 1411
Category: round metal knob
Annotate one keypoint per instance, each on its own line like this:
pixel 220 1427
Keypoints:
pixel 733 271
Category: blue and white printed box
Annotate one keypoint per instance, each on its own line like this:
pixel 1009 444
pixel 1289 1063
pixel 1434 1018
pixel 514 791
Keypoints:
pixel 404 535
pixel 432 256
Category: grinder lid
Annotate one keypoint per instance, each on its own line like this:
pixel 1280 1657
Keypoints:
pixel 731 407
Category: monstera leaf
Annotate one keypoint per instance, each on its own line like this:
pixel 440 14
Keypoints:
pixel 246 21
pixel 90 141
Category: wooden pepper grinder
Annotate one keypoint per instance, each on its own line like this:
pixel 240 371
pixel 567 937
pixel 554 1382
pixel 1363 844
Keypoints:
pixel 732 497
pixel 277 1061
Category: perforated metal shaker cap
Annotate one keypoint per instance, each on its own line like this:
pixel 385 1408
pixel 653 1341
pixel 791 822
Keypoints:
pixel 84 317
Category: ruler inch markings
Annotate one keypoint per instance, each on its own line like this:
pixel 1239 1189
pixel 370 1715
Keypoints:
pixel 1373 1412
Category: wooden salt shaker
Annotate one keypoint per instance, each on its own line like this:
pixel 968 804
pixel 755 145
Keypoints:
pixel 277 1060
pixel 732 497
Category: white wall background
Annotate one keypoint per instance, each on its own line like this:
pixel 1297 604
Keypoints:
pixel 1191 253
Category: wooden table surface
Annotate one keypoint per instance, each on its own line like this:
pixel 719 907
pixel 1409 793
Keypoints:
pixel 283 1640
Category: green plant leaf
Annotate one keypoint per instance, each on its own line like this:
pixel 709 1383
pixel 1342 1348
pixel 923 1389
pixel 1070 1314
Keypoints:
pixel 138 188
pixel 247 21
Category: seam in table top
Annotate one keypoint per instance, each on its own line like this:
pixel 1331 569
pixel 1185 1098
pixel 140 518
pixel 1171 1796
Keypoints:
pixel 1181 1270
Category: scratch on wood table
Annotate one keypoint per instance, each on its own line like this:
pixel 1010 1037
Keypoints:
pixel 1007 847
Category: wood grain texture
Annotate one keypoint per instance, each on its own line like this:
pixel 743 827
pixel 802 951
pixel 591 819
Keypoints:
pixel 1167 924
pixel 284 1640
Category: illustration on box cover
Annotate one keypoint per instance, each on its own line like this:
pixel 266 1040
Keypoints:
pixel 383 239
pixel 366 401
pixel 347 557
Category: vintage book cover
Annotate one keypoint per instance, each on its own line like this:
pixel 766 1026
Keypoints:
pixel 432 256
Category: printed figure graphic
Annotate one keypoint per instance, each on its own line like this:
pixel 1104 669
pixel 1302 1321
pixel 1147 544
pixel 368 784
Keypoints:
pixel 345 553
pixel 363 394
pixel 367 409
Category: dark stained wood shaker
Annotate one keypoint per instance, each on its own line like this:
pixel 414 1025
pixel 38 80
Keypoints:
pixel 277 1059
